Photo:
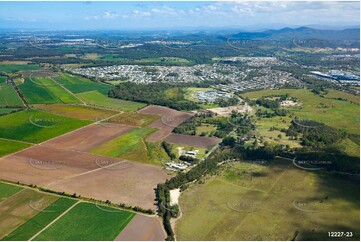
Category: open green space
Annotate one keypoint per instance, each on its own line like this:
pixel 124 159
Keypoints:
pixel 78 84
pixel 39 221
pixel 272 200
pixel 9 146
pixel 88 221
pixel 335 113
pixel 37 94
pixel 133 146
pixel 97 99
pixel 64 95
pixel 36 126
pixel 77 111
pixel 2 79
pixel 4 111
pixel 18 67
pixel 7 190
pixel 8 96
pixel 20 207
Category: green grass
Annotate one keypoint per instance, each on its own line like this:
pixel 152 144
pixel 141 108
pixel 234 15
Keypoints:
pixel 80 84
pixel 58 91
pixel 2 79
pixel 38 94
pixel 7 110
pixel 39 221
pixel 132 146
pixel 7 190
pixel 191 95
pixel 16 67
pixel 9 147
pixel 88 222
pixel 20 207
pixel 97 99
pixel 24 125
pixel 8 96
pixel 255 202
pixel 335 113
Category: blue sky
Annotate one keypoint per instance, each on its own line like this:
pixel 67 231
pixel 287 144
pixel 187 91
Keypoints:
pixel 176 15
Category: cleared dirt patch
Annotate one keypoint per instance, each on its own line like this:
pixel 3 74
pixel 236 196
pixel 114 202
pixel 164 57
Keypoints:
pixel 150 226
pixel 193 141
pixel 88 137
pixel 131 183
pixel 170 119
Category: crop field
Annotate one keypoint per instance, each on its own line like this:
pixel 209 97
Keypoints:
pixel 9 146
pixel 77 111
pixel 132 146
pixel 36 126
pixel 2 79
pixel 7 190
pixel 35 224
pixel 97 99
pixel 335 113
pixel 88 221
pixel 133 119
pixel 170 119
pixel 64 95
pixel 78 84
pixel 4 111
pixel 37 94
pixel 8 96
pixel 16 67
pixel 20 207
pixel 288 203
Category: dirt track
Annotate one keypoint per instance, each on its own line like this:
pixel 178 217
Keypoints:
pixel 170 119
pixel 151 230
pixel 191 140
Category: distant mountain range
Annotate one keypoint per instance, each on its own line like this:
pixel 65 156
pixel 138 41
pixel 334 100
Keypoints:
pixel 303 33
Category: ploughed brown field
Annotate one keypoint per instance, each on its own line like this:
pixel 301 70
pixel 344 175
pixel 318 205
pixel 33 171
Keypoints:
pixel 62 165
pixel 170 119
pixel 191 140
pixel 151 228
pixel 88 137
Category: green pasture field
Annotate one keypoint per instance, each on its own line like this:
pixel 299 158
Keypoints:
pixel 2 79
pixel 335 113
pixel 36 126
pixel 88 221
pixel 269 201
pixel 64 95
pixel 77 84
pixel 18 67
pixel 133 146
pixel 37 94
pixel 332 93
pixel 97 99
pixel 9 147
pixel 77 111
pixel 40 220
pixel 20 207
pixel 4 111
pixel 8 96
pixel 7 190
pixel 206 128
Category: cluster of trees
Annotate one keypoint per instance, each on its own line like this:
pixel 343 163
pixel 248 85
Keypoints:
pixel 153 93
pixel 273 113
pixel 315 134
pixel 225 102
pixel 168 149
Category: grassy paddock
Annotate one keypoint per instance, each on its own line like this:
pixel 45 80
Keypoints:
pixel 88 221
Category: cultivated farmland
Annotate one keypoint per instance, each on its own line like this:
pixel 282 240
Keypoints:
pixel 9 146
pixel 36 126
pixel 8 96
pixel 191 140
pixel 97 99
pixel 88 221
pixel 18 67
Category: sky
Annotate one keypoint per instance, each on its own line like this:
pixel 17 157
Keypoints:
pixel 154 15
